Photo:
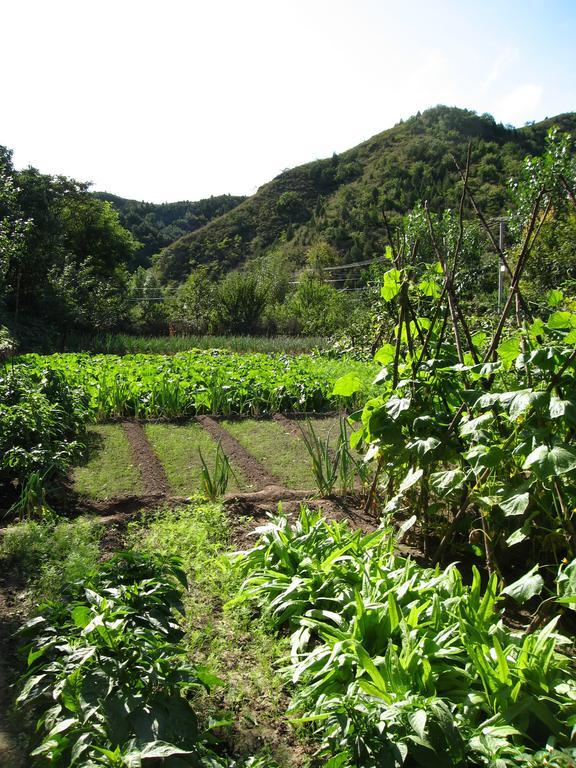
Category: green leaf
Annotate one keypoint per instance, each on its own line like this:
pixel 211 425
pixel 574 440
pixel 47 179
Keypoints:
pixel 515 505
pixel 509 350
pixel 81 616
pixel 410 479
pixel 429 288
pixel 562 408
pixel 554 297
pixel 562 321
pixel 418 722
pixel 397 405
pixel 347 385
pixel 548 462
pixel 385 355
pixel 516 538
pixel 529 585
pixel 473 426
pixel 423 446
pixel 447 482
pixel 208 679
pixel 338 761
pixel 392 284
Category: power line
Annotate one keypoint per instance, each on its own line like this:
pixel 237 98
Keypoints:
pixel 355 264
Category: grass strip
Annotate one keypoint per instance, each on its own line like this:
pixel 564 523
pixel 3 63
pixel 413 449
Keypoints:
pixel 281 453
pixel 177 446
pixel 238 649
pixel 108 471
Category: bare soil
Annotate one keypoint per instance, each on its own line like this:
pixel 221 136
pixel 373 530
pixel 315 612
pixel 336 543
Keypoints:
pixel 253 471
pixel 11 618
pixel 152 471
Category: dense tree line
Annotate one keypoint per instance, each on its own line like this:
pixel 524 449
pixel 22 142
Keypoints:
pixel 339 199
pixel 156 226
pixel 64 254
pixel 277 262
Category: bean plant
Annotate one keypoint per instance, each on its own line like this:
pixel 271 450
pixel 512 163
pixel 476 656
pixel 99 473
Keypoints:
pixel 473 427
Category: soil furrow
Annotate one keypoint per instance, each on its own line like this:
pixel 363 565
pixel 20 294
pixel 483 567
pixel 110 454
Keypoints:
pixel 290 426
pixel 253 471
pixel 152 471
pixel 10 621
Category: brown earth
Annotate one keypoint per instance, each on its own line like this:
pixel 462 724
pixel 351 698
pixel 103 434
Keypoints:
pixel 11 618
pixel 152 471
pixel 252 470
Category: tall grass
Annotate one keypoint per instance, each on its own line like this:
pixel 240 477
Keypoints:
pixel 122 344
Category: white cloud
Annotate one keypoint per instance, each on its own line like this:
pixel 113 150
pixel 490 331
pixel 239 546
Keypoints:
pixel 505 59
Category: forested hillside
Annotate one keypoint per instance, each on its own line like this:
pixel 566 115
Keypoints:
pixel 338 200
pixel 156 226
pixel 76 261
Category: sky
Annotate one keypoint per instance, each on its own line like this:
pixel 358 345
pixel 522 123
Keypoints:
pixel 182 99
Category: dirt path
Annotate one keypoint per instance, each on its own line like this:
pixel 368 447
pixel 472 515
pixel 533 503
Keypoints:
pixel 10 619
pixel 253 471
pixel 152 471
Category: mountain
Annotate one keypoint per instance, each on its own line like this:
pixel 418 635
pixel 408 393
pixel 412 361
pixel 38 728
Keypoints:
pixel 339 200
pixel 158 225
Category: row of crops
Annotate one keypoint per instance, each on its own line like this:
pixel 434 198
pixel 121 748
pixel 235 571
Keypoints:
pixel 393 664
pixel 46 401
pixel 189 383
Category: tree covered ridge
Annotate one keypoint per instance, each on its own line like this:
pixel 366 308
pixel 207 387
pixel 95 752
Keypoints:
pixel 157 225
pixel 339 199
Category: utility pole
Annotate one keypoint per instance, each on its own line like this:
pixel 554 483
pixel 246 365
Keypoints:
pixel 501 267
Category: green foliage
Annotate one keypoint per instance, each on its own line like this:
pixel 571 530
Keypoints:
pixel 215 479
pixel 314 308
pixel 72 266
pixel 233 644
pixel 472 430
pixel 339 199
pixel 120 344
pixel 193 307
pixel 51 553
pixel 41 417
pixel 332 461
pixel 107 676
pixel 13 224
pixel 396 664
pixel 240 302
pixel 184 384
pixel 158 225
pixel 106 469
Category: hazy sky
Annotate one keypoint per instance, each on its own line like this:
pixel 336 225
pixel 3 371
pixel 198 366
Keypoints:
pixel 182 99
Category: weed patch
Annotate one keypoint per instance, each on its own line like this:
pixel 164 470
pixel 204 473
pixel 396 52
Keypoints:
pixel 241 651
pixel 50 554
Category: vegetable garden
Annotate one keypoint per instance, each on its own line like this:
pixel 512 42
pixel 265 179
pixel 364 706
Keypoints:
pixel 458 439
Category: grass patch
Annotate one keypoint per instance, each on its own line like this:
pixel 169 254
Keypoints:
pixel 108 470
pixel 325 429
pixel 241 651
pixel 176 446
pixel 50 554
pixel 281 453
pixel 121 344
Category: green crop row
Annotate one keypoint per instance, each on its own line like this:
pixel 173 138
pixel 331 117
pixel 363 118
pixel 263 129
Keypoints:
pixel 41 417
pixel 399 665
pixel 215 381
